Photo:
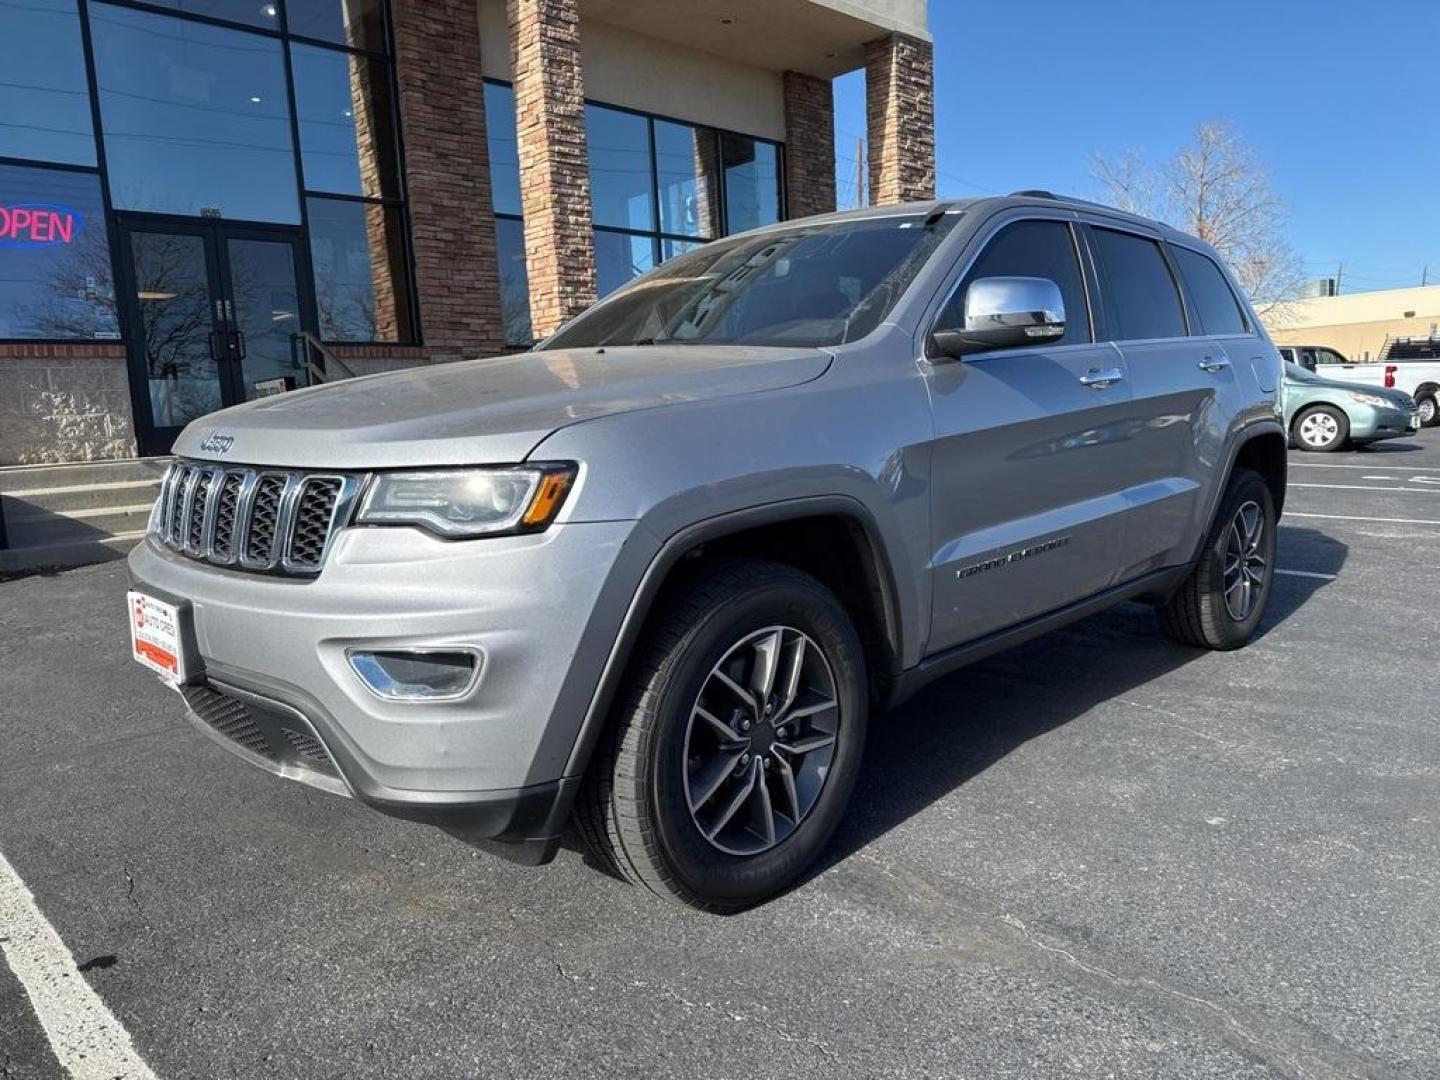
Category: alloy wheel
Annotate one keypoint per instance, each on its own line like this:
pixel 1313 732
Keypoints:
pixel 1427 411
pixel 1245 563
pixel 760 740
pixel 1319 429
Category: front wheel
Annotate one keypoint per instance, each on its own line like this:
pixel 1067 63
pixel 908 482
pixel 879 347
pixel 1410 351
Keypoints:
pixel 728 765
pixel 1322 429
pixel 1221 603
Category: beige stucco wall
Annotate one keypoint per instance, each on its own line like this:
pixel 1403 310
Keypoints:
pixel 1357 324
pixel 639 72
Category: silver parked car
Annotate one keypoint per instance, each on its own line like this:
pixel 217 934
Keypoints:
pixel 657 575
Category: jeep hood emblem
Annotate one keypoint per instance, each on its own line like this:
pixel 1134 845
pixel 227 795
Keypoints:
pixel 217 444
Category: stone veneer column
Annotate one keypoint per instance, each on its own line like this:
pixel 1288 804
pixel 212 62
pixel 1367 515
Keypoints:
pixel 900 118
pixel 452 223
pixel 809 145
pixel 554 165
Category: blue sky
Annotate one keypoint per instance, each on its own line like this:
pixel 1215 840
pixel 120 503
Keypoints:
pixel 1340 100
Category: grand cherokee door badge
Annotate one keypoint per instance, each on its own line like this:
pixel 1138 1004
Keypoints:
pixel 1012 557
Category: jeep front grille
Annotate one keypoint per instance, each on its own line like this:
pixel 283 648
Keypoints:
pixel 265 520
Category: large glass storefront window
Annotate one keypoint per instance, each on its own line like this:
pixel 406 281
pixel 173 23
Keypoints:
pixel 252 12
pixel 56 280
pixel 356 24
pixel 357 250
pixel 658 188
pixel 196 118
pixel 44 97
pixel 347 135
pixel 752 182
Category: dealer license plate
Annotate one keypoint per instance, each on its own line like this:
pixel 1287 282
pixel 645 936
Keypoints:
pixel 155 636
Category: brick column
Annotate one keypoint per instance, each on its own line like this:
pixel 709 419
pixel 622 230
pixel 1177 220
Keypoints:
pixel 554 167
pixel 809 145
pixel 442 107
pixel 370 127
pixel 900 118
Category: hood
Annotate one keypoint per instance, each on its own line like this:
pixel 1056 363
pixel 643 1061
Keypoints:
pixel 484 411
pixel 1302 380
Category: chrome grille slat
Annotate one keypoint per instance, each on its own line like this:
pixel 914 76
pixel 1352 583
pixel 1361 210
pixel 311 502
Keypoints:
pixel 262 520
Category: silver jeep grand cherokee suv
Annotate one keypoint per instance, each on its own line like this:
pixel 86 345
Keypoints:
pixel 656 575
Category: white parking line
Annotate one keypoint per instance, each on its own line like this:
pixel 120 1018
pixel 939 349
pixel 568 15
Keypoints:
pixel 87 1039
pixel 1343 517
pixel 1307 573
pixel 1368 487
pixel 1370 468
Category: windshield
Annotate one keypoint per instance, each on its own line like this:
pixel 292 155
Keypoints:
pixel 1300 374
pixel 811 285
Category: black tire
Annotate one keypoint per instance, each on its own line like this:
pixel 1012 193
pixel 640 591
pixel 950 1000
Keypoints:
pixel 1337 439
pixel 1429 410
pixel 1198 614
pixel 634 810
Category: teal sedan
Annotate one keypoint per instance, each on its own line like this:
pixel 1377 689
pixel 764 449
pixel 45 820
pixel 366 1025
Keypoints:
pixel 1325 414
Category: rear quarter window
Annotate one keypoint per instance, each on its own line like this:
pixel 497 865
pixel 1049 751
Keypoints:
pixel 1216 308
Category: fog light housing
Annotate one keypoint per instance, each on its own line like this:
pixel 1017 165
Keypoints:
pixel 416 674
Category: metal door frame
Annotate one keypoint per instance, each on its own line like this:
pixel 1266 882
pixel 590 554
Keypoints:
pixel 214 235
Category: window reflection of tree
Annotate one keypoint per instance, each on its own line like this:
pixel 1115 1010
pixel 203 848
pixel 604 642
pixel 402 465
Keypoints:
pixel 175 324
pixel 79 294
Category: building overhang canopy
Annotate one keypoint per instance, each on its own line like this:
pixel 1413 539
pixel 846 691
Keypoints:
pixel 824 38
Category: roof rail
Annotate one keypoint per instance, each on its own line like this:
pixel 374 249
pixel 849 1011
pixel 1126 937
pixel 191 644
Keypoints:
pixel 1033 193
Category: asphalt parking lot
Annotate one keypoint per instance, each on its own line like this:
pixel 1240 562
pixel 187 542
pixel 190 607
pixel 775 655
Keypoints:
pixel 1098 855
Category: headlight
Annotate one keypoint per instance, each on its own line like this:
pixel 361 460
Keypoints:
pixel 468 502
pixel 1374 399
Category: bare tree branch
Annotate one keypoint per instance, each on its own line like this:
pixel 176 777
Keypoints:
pixel 1217 190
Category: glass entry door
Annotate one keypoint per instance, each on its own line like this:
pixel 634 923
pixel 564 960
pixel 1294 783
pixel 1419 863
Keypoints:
pixel 213 310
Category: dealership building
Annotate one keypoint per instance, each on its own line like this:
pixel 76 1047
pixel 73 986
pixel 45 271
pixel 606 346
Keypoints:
pixel 200 198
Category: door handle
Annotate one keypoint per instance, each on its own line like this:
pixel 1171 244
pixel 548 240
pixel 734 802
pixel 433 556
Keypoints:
pixel 1212 364
pixel 1101 379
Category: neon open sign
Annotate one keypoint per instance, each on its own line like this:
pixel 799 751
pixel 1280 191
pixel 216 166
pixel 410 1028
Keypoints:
pixel 38 225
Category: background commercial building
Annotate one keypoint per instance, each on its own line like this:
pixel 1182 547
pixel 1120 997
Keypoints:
pixel 1359 325
pixel 193 192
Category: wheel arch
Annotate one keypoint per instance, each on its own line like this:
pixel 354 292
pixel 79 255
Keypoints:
pixel 758 531
pixel 1262 446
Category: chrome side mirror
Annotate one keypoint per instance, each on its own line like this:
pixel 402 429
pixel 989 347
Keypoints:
pixel 1005 313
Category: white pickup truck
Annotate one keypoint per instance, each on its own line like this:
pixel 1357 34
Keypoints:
pixel 1420 378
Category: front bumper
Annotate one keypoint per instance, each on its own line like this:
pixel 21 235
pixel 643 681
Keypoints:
pixel 1371 423
pixel 488 765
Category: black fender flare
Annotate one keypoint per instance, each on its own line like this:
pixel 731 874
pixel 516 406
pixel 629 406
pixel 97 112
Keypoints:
pixel 674 549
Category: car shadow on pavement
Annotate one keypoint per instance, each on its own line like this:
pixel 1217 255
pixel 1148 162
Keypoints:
pixel 958 727
pixel 1387 447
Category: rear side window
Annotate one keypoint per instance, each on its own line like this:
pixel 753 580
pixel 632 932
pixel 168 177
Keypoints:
pixel 1043 249
pixel 1215 304
pixel 1141 300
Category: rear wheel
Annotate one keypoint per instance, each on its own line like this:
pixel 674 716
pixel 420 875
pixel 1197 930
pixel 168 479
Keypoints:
pixel 1221 603
pixel 729 764
pixel 1322 429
